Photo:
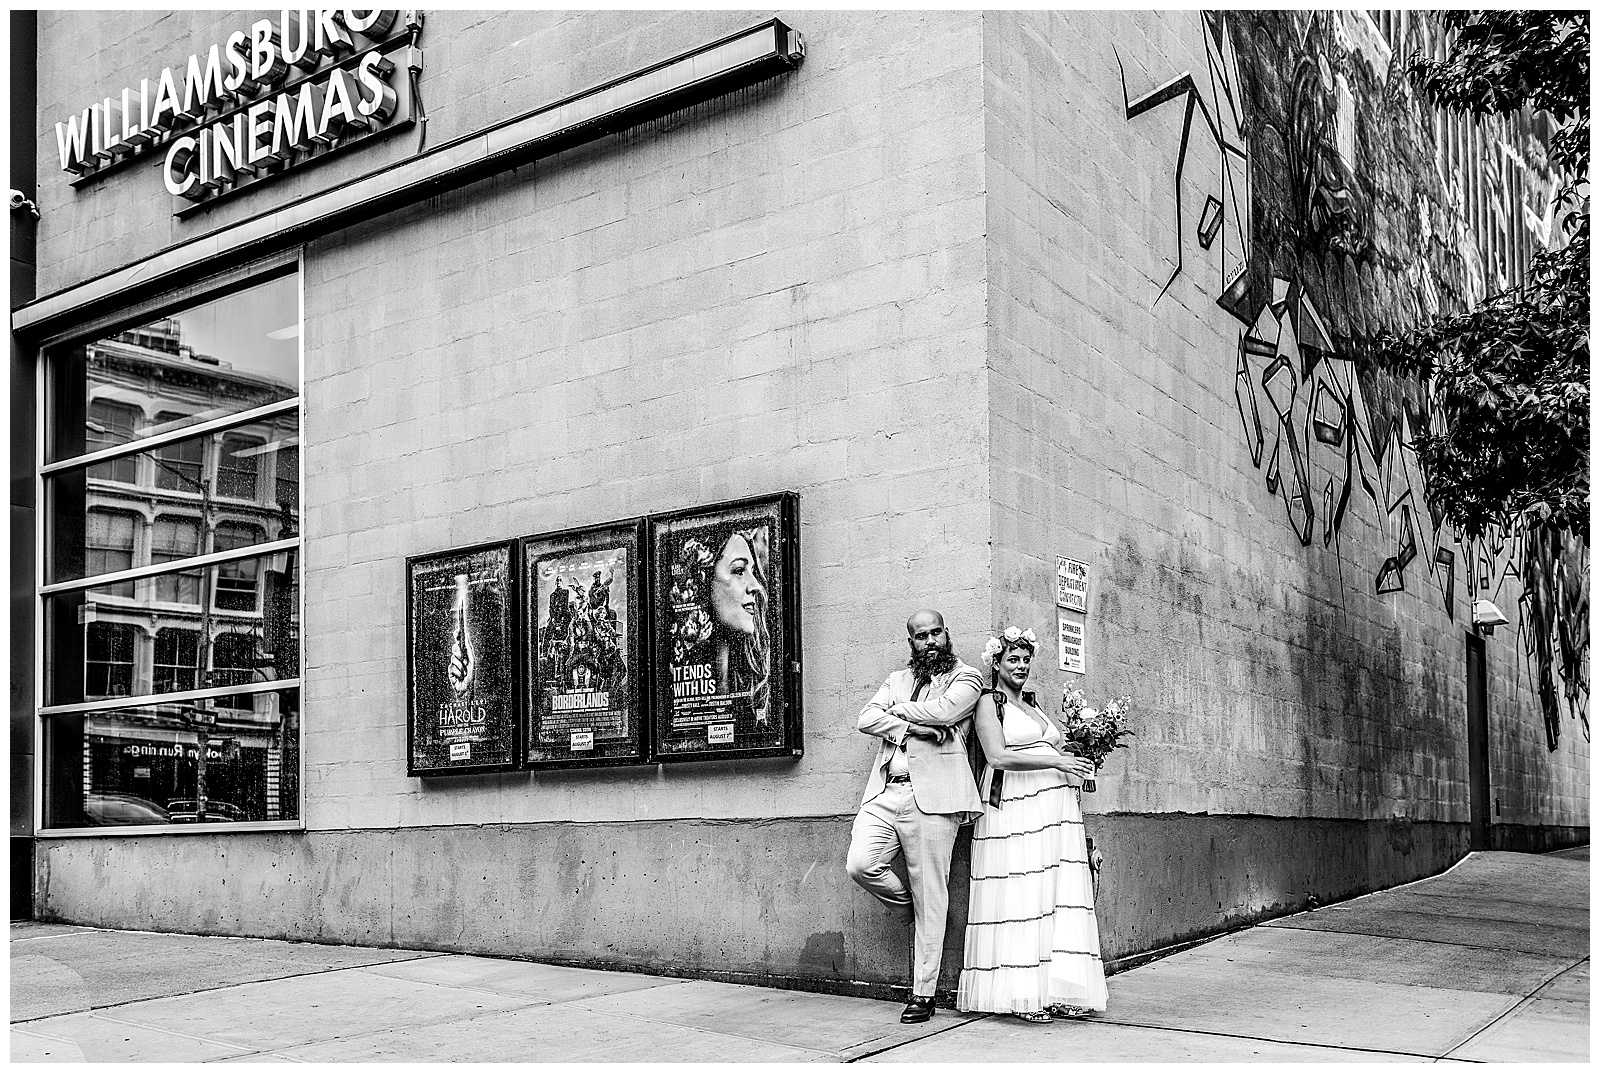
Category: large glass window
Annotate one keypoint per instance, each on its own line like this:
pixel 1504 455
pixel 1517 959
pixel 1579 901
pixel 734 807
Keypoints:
pixel 272 621
pixel 172 697
pixel 221 357
pixel 180 493
pixel 175 763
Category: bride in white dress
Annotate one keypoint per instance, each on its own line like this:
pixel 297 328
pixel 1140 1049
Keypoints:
pixel 1032 945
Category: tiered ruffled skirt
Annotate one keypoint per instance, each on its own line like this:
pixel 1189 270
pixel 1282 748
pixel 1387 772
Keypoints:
pixel 1032 940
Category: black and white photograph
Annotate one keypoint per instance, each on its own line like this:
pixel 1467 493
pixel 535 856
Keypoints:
pixel 583 646
pixel 461 662
pixel 725 607
pixel 954 535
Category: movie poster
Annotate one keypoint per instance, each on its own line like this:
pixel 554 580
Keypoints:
pixel 583 647
pixel 461 662
pixel 725 606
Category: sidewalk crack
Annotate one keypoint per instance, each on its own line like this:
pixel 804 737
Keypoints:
pixel 1418 939
pixel 1524 1001
pixel 1261 1039
pixel 861 1053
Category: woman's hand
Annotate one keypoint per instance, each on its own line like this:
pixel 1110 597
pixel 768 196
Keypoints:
pixel 1078 767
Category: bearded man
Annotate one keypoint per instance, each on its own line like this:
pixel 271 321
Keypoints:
pixel 919 792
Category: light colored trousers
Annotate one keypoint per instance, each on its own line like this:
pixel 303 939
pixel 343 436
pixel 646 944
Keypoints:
pixel 887 825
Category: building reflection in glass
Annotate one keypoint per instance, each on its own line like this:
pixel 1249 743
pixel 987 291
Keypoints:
pixel 195 627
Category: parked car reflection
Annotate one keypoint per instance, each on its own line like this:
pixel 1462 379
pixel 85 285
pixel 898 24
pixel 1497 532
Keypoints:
pixel 188 811
pixel 116 809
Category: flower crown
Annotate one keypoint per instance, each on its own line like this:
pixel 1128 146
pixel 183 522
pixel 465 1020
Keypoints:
pixel 1008 638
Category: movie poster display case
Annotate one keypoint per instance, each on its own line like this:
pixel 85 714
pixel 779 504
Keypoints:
pixel 725 627
pixel 583 646
pixel 461 666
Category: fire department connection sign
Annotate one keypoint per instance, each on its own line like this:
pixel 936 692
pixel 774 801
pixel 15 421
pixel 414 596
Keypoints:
pixel 260 102
pixel 1072 584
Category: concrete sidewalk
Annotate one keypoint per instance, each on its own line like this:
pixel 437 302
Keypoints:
pixel 1487 962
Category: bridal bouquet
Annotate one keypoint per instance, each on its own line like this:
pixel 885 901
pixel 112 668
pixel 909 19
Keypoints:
pixel 1093 732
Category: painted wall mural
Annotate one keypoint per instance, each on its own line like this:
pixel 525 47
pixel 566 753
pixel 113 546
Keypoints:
pixel 1335 217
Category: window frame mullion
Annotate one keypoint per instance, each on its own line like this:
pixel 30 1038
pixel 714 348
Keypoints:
pixel 175 566
pixel 150 700
pixel 162 439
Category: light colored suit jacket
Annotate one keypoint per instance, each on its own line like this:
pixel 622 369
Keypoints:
pixel 941 775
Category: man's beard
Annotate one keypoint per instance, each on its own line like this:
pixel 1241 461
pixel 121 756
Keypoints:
pixel 932 662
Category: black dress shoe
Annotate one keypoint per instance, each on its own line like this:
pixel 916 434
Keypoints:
pixel 917 1011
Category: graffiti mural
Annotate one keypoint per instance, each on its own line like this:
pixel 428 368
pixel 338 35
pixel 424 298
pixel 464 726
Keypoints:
pixel 1221 118
pixel 1335 220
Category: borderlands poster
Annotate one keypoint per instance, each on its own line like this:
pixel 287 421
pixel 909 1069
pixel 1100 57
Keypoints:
pixel 583 648
pixel 461 666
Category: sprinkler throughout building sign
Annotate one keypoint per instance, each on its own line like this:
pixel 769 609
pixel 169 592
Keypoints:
pixel 262 101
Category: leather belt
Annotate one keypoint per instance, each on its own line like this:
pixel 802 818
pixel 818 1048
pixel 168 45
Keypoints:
pixel 899 778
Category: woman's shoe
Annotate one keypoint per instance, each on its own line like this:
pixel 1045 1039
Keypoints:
pixel 1036 1018
pixel 1069 1012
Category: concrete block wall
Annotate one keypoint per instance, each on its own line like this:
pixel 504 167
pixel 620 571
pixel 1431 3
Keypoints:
pixel 1268 677
pixel 1531 786
pixel 782 288
pixel 780 291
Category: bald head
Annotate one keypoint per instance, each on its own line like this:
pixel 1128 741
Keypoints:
pixel 931 652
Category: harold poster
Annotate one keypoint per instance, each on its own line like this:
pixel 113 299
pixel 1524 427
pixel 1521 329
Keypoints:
pixel 461 657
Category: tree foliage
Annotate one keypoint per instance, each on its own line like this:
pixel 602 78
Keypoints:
pixel 1511 377
pixel 1503 61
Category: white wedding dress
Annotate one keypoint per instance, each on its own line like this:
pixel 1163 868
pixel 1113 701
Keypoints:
pixel 1032 940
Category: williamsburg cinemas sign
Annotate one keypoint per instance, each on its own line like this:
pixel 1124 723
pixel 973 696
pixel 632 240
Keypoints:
pixel 269 97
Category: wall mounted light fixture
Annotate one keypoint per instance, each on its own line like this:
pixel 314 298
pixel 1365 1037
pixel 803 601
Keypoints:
pixel 1486 616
